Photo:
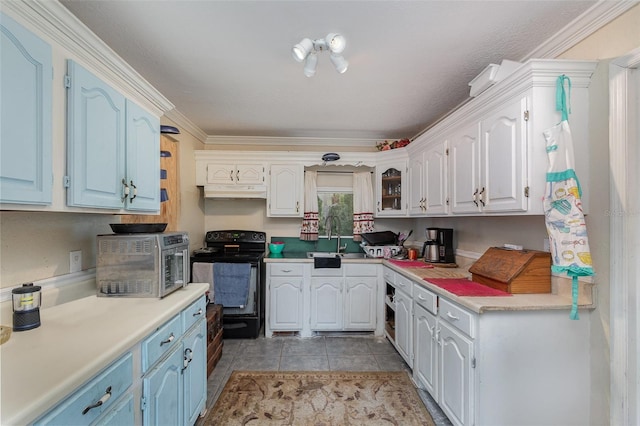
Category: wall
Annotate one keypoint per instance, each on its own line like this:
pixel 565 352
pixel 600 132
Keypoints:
pixel 36 245
pixel 613 40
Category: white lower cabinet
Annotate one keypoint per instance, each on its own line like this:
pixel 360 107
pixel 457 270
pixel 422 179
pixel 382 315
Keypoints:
pixel 360 309
pixel 404 326
pixel 284 297
pixel 304 299
pixel 162 392
pixel 425 346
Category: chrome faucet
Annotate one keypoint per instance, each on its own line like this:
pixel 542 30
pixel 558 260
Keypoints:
pixel 328 224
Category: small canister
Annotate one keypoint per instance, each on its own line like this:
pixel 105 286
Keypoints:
pixel 413 254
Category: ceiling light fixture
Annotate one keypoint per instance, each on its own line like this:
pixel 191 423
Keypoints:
pixel 307 50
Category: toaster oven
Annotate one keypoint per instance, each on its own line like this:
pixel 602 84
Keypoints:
pixel 142 265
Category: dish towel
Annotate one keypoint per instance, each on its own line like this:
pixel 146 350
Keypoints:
pixel 231 283
pixel 564 218
pixel 203 273
pixel 464 287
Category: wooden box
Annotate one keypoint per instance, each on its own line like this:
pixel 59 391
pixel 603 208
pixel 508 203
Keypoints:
pixel 214 336
pixel 514 271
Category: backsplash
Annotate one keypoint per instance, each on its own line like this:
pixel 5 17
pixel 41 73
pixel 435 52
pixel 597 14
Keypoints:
pixel 294 244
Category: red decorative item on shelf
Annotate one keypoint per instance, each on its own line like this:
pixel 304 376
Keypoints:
pixel 386 145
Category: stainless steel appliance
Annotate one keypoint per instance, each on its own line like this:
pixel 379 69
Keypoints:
pixel 439 246
pixel 26 307
pixel 234 246
pixel 142 265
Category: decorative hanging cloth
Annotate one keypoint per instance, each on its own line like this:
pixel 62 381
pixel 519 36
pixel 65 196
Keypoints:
pixel 562 203
pixel 309 229
pixel 362 205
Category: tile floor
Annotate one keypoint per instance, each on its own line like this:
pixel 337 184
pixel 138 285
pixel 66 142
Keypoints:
pixel 320 353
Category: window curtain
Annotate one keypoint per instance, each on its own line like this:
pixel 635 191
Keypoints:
pixel 362 205
pixel 309 231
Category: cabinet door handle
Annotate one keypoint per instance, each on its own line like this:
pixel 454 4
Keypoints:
pixel 297 206
pixel 135 192
pixel 452 317
pixel 237 175
pixel 188 357
pixel 99 402
pixel 421 297
pixel 231 175
pixel 169 339
pixel 126 190
pixel 475 197
pixel 481 196
pixel 198 313
pixel 378 205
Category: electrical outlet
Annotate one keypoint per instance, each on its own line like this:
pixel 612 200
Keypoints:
pixel 75 261
pixel 546 245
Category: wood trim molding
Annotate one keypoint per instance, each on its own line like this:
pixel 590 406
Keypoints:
pixel 624 238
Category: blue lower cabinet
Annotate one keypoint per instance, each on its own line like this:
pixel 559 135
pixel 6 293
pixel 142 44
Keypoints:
pixel 94 398
pixel 195 373
pixel 121 414
pixel 162 392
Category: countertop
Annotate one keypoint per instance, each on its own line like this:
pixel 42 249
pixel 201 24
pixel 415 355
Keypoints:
pixel 75 342
pixel 560 298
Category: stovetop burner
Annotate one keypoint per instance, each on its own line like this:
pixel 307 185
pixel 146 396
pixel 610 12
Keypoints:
pixel 233 245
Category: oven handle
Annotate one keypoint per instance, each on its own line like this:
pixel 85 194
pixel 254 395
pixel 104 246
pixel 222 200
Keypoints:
pixel 185 266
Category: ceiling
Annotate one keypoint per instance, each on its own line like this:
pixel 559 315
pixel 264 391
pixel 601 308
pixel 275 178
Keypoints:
pixel 227 65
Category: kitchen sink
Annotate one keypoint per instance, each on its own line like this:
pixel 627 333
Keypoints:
pixel 312 254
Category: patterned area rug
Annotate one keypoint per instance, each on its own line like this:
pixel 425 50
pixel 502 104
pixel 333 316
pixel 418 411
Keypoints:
pixel 319 398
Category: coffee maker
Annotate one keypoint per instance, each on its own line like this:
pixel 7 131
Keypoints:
pixel 26 307
pixel 439 246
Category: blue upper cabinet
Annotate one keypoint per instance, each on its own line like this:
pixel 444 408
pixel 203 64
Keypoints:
pixel 95 141
pixel 113 147
pixel 143 159
pixel 25 115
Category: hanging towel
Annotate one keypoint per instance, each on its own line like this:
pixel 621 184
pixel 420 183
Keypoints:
pixel 362 205
pixel 310 225
pixel 564 218
pixel 231 283
pixel 203 273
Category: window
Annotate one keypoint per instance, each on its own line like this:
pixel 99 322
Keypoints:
pixel 339 205
pixel 335 198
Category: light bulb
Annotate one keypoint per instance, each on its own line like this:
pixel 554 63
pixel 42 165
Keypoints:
pixel 336 43
pixel 302 49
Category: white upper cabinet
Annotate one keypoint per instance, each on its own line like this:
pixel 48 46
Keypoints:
pixel 235 174
pixel 286 190
pixel 392 184
pixel 26 112
pixel 428 181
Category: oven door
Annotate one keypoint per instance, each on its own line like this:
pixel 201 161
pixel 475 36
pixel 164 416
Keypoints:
pixel 175 269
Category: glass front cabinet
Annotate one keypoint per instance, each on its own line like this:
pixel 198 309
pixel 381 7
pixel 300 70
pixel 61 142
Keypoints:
pixel 391 180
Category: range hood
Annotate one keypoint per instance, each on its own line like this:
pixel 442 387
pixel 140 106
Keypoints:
pixel 235 191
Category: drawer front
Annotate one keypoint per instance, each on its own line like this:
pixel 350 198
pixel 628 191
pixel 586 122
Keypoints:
pixel 425 298
pixel 327 272
pixel 404 284
pixel 193 313
pixel 286 269
pixel 389 275
pixel 360 270
pixel 457 317
pixel 107 387
pixel 159 342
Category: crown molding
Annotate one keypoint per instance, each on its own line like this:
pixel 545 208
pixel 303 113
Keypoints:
pixel 580 28
pixel 55 21
pixel 292 141
pixel 185 124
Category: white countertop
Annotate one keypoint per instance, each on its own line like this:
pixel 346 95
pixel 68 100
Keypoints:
pixel 75 342
pixel 561 299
